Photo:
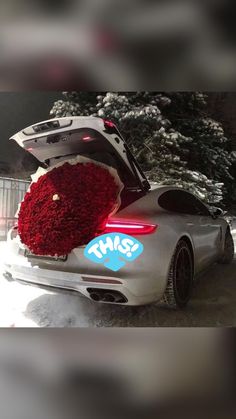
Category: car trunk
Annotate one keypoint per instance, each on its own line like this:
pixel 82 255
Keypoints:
pixel 63 138
pixel 56 140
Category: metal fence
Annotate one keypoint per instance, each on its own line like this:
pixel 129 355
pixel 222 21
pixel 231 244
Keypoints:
pixel 12 192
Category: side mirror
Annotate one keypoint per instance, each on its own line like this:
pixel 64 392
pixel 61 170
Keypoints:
pixel 217 212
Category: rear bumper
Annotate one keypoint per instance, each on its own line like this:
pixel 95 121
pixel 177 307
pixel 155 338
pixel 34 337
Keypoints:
pixel 140 283
pixel 79 283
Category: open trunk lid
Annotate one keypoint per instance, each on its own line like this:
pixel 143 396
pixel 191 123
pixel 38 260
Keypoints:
pixel 62 138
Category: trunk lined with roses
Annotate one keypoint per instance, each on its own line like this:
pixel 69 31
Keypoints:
pixel 67 206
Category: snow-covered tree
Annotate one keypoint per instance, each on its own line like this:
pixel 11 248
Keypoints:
pixel 156 127
pixel 75 103
pixel 210 151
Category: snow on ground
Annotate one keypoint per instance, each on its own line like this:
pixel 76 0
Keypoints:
pixel 13 299
pixel 213 304
pixel 23 305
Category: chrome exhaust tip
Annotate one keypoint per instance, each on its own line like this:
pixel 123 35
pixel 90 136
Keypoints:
pixel 106 295
pixel 95 296
pixel 109 298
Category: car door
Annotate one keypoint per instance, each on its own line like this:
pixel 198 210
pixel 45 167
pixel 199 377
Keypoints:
pixel 193 217
pixel 206 232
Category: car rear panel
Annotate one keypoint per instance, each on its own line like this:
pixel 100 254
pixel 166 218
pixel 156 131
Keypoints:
pixel 135 280
pixel 141 281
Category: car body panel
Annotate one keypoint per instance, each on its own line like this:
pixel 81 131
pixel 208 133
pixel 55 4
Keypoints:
pixel 144 280
pixel 141 281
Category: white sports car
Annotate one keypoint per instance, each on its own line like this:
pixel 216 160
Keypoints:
pixel 180 235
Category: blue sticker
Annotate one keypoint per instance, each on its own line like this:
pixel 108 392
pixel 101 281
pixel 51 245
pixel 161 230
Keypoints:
pixel 113 250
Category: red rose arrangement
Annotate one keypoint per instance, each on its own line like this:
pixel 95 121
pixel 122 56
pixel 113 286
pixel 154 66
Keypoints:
pixel 66 208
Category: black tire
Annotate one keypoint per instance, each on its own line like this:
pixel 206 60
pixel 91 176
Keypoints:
pixel 228 253
pixel 180 277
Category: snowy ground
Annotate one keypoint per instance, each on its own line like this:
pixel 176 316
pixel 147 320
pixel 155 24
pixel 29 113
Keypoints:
pixel 213 304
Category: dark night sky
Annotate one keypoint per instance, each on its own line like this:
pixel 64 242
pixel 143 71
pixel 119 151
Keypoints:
pixel 17 111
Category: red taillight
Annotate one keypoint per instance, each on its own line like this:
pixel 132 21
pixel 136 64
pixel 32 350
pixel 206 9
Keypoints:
pixel 109 124
pixel 129 227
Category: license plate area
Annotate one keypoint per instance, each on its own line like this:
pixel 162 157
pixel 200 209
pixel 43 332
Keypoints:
pixel 30 255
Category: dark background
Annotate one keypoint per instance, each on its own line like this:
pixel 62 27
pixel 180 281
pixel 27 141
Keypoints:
pixel 17 111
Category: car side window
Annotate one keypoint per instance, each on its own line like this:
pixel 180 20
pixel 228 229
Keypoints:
pixel 182 202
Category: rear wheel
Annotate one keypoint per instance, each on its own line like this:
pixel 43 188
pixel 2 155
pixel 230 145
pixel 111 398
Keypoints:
pixel 228 253
pixel 180 278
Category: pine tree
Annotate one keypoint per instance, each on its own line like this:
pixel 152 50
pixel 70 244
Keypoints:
pixel 161 150
pixel 167 133
pixel 210 150
pixel 75 103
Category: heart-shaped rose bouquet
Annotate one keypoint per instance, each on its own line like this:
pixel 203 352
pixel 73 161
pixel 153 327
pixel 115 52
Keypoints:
pixel 67 205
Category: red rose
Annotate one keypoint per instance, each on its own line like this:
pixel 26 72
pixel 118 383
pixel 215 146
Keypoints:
pixel 66 207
